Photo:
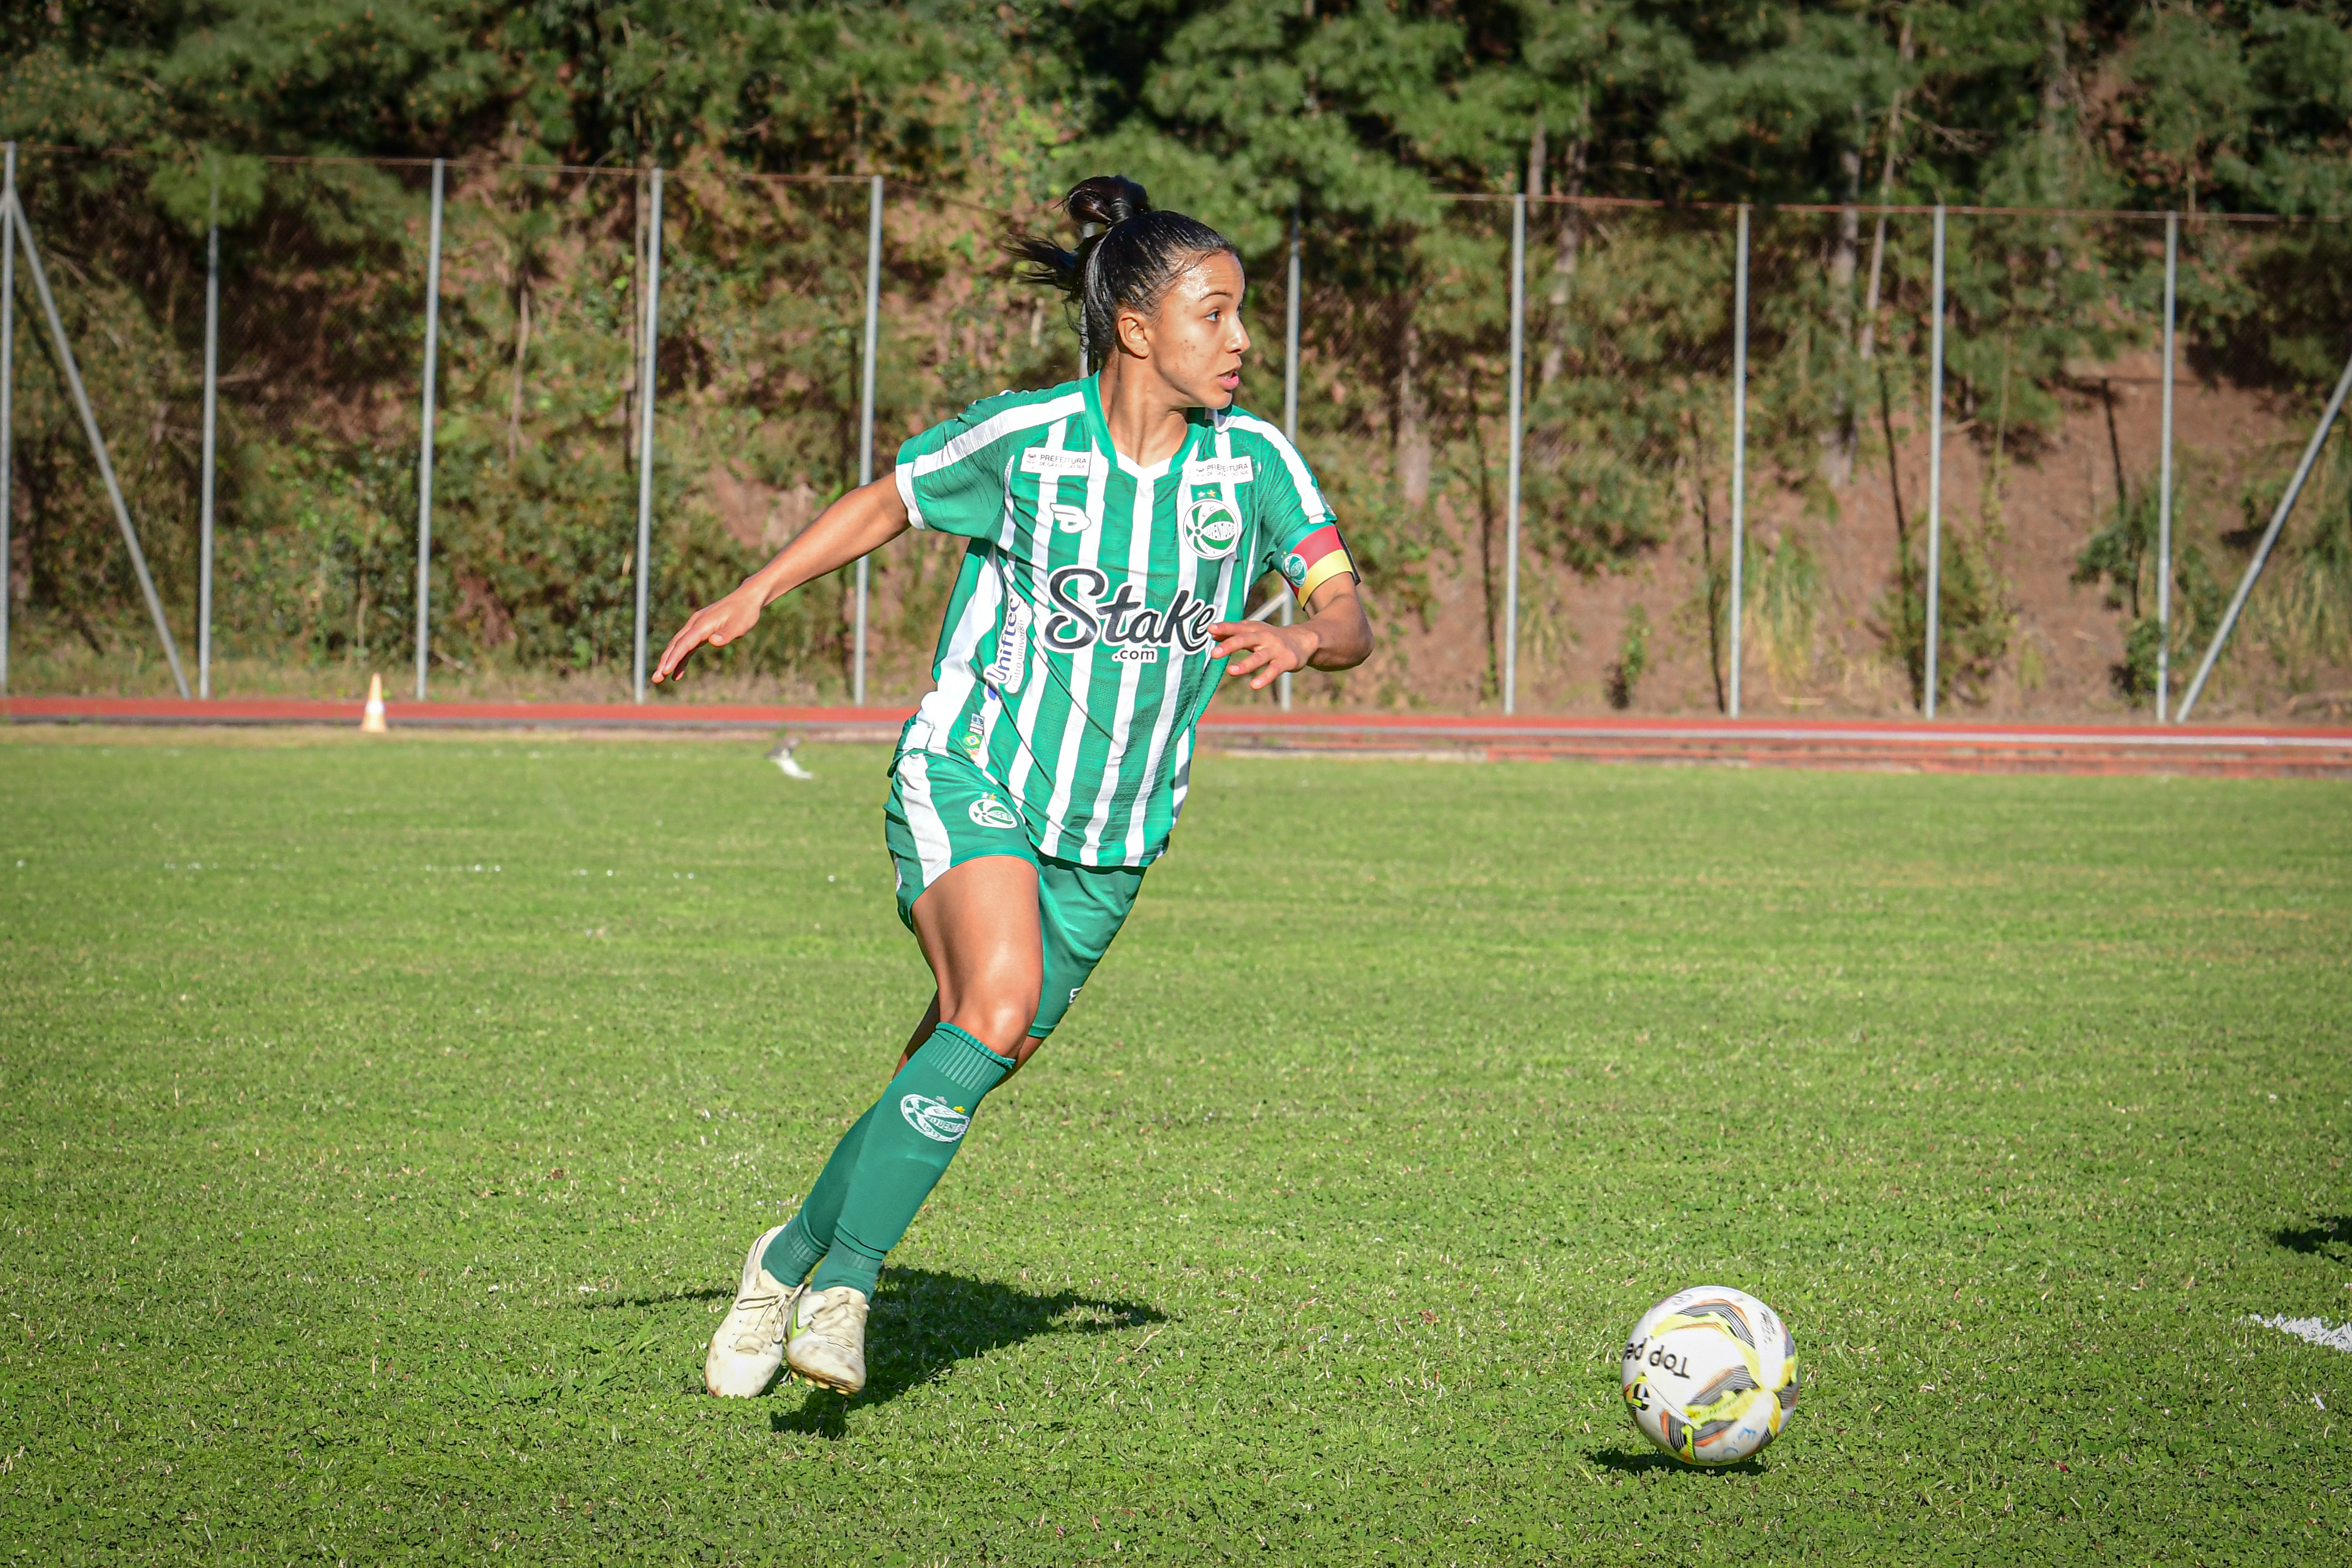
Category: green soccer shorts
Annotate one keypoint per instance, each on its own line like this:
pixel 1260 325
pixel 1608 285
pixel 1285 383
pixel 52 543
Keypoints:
pixel 944 811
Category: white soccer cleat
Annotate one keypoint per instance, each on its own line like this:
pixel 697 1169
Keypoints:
pixel 826 1342
pixel 750 1345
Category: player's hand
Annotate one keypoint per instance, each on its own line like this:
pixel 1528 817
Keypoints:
pixel 1267 649
pixel 716 624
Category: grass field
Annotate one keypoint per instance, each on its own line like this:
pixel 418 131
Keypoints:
pixel 384 1123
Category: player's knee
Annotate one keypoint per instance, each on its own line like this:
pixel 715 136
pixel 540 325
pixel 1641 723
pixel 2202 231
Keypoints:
pixel 999 1019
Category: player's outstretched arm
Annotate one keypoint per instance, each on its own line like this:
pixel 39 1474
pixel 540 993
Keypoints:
pixel 1334 635
pixel 860 523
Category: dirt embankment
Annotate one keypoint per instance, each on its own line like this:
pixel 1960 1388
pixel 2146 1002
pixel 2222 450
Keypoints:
pixel 2031 512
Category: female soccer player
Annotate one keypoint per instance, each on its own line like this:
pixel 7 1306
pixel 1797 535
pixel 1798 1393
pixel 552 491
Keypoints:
pixel 1115 524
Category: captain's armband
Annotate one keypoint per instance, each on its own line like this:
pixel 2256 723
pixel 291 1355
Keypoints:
pixel 1315 561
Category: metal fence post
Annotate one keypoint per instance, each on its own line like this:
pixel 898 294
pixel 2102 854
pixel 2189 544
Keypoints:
pixel 425 450
pixel 1085 349
pixel 645 424
pixel 2270 538
pixel 1511 502
pixel 866 414
pixel 212 400
pixel 2164 480
pixel 1935 470
pixel 66 363
pixel 7 386
pixel 1290 404
pixel 1739 447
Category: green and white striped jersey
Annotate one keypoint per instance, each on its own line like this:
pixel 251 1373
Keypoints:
pixel 1076 658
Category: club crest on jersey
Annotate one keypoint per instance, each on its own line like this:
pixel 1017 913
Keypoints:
pixel 935 1119
pixel 1211 528
pixel 1085 612
pixel 989 812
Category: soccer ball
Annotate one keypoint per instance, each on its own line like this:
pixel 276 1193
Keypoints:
pixel 1710 1374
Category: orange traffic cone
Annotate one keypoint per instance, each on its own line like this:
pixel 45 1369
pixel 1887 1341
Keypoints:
pixel 371 721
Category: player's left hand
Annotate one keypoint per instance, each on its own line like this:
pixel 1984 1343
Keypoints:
pixel 1267 650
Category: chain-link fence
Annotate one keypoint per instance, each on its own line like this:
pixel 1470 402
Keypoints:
pixel 2043 508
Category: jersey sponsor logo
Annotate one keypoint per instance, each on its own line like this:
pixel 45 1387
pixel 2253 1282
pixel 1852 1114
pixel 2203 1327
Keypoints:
pixel 1220 471
pixel 935 1119
pixel 1211 528
pixel 989 812
pixel 1087 612
pixel 1068 518
pixel 1054 462
pixel 1137 655
pixel 1005 672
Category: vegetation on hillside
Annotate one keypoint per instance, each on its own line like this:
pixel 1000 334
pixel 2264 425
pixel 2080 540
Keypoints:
pixel 1362 124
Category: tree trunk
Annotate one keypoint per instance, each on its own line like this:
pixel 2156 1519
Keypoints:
pixel 2057 92
pixel 638 330
pixel 1869 342
pixel 1716 587
pixel 1412 456
pixel 2055 83
pixel 1563 269
pixel 1838 440
pixel 522 348
pixel 1490 593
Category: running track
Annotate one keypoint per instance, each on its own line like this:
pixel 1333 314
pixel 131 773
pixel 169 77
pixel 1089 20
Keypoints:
pixel 2249 751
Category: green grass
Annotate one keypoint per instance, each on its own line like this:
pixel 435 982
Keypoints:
pixel 384 1123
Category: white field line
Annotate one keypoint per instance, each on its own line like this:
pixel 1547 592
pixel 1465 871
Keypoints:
pixel 2315 1330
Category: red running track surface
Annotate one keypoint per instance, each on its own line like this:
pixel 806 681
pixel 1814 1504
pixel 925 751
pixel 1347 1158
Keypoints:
pixel 1973 747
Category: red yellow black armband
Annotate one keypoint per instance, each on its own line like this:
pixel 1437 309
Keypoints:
pixel 1318 557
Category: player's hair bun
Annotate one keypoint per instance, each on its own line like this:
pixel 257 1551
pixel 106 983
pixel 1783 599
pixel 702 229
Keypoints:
pixel 1129 264
pixel 1107 199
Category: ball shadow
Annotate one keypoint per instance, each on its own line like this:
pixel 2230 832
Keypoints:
pixel 1640 1463
pixel 925 1321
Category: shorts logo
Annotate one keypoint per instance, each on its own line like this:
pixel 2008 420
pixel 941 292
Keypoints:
pixel 1211 528
pixel 935 1119
pixel 989 812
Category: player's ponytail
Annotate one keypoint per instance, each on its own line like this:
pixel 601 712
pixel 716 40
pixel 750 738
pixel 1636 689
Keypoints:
pixel 1128 263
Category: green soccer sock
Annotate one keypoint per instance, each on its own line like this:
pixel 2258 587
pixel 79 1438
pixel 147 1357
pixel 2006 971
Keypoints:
pixel 911 1134
pixel 802 1245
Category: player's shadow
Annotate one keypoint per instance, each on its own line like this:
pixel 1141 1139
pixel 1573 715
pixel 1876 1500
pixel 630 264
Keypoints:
pixel 925 1321
pixel 2329 1236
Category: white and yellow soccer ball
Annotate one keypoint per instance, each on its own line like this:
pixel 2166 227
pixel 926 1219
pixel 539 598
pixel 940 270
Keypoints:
pixel 1710 1374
